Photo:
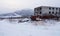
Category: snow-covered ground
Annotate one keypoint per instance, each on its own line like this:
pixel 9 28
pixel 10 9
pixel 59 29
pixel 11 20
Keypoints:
pixel 31 28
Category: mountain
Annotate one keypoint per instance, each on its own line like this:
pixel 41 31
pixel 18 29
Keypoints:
pixel 24 12
pixel 8 14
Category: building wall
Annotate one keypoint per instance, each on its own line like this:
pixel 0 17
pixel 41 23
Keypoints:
pixel 45 10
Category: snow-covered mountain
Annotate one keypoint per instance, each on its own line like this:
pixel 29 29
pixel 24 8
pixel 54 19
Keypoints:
pixel 8 14
pixel 24 12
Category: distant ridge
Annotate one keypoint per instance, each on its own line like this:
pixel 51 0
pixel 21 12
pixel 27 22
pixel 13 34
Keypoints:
pixel 24 12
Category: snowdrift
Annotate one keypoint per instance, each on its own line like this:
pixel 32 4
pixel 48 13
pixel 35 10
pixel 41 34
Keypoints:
pixel 42 28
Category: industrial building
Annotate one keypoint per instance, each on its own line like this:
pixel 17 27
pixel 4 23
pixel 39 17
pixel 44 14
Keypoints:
pixel 47 10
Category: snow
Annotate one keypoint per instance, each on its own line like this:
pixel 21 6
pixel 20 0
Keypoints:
pixel 31 28
pixel 10 16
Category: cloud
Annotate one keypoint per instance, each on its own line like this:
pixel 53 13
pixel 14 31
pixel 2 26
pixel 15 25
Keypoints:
pixel 13 5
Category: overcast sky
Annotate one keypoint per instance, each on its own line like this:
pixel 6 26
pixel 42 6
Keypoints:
pixel 7 6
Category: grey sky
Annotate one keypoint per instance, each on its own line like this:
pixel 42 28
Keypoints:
pixel 7 6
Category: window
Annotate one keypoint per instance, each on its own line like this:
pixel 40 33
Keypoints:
pixel 49 12
pixel 37 9
pixel 52 12
pixel 56 8
pixel 40 12
pixel 53 8
pixel 40 8
pixel 49 8
pixel 59 9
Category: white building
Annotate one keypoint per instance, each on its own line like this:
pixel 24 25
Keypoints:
pixel 47 10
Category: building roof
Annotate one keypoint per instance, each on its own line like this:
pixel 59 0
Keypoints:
pixel 47 7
